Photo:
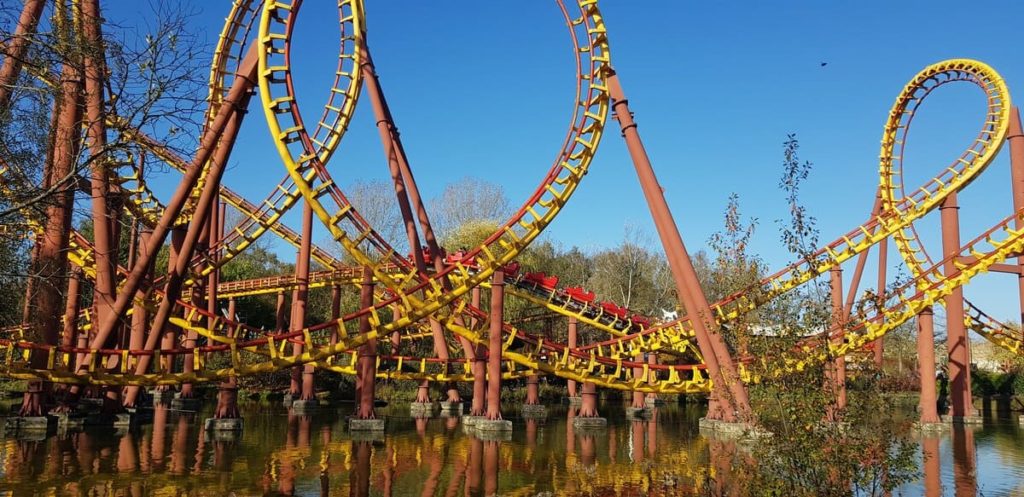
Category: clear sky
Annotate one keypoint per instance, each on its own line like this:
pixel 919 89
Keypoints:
pixel 485 89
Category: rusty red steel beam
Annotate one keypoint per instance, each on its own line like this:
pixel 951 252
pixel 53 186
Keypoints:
pixel 719 362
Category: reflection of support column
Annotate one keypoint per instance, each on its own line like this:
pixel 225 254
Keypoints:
pixel 359 478
pixel 475 469
pixel 588 446
pixel 652 433
pixel 156 448
pixel 964 464
pixel 957 344
pixel 491 451
pixel 836 372
pixel 572 345
pixel 636 441
pixel 1016 139
pixel 716 356
pixel 928 406
pixel 932 466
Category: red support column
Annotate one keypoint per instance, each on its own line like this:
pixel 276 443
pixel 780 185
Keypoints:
pixel 479 364
pixel 71 307
pixel 219 136
pixel 367 352
pixel 497 318
pixel 957 343
pixel 49 264
pixel 836 372
pixel 302 376
pixel 652 360
pixel 928 406
pixel 588 405
pixel 571 384
pixel 140 318
pixel 227 124
pixel 883 249
pixel 1016 139
pixel 532 390
pixel 17 47
pixel 408 199
pixel 227 391
pixel 719 362
pixel 638 396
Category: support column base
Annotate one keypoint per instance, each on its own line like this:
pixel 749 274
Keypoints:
pixel 590 422
pixel 300 406
pixel 574 401
pixel 534 411
pixel 422 409
pixel 652 402
pixel 962 420
pixel 931 427
pixel 186 404
pixel 29 424
pixel 745 431
pixel 484 425
pixel 161 396
pixel 471 420
pixel 287 400
pixel 356 424
pixel 451 408
pixel 223 424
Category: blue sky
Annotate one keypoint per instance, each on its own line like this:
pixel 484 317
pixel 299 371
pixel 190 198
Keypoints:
pixel 485 89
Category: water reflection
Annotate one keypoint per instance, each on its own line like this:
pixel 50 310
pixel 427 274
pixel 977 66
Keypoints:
pixel 282 453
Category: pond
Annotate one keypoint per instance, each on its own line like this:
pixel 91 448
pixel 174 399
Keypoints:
pixel 281 453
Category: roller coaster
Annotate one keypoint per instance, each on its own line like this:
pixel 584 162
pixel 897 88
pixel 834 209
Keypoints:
pixel 167 331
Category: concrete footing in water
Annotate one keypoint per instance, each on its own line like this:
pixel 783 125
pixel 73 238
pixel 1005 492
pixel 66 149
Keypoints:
pixel 484 424
pixel 471 420
pixel 223 424
pixel 931 427
pixel 29 424
pixel 534 411
pixel 77 421
pixel 422 409
pixel 452 408
pixel 589 422
pixel 185 404
pixel 308 405
pixel 575 401
pixel 963 420
pixel 653 402
pixel 356 424
pixel 732 429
